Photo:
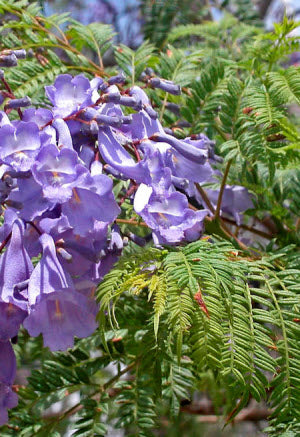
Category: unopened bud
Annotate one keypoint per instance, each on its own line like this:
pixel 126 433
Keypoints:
pixel 173 108
pixel 187 150
pixel 20 54
pixel 8 60
pixel 131 102
pixel 64 254
pixel 165 85
pixel 18 103
pixel 112 97
pixel 150 111
pixel 120 78
pixel 149 71
pixel 136 239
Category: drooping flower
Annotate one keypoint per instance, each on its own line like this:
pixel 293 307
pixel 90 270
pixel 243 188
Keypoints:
pixel 56 309
pixel 235 200
pixel 115 155
pixel 92 199
pixel 15 267
pixel 11 318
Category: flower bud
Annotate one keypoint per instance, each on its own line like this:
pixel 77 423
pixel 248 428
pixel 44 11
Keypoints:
pixel 20 54
pixel 18 103
pixel 173 108
pixel 8 60
pixel 165 85
pixel 112 97
pixel 120 78
pixel 131 102
pixel 187 150
pixel 150 111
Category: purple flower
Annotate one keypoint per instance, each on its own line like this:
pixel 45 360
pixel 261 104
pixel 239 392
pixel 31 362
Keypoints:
pixel 30 195
pixel 8 364
pixel 57 172
pixel 60 316
pixel 69 94
pixel 19 145
pixel 56 309
pixel 8 399
pixel 15 266
pixel 11 318
pixel 92 199
pixel 235 200
pixel 116 156
pixel 168 215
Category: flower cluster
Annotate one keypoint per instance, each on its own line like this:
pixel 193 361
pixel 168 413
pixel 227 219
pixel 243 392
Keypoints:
pixel 56 191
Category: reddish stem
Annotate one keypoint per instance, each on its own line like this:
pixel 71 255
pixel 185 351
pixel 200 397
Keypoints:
pixel 5 241
pixel 128 192
pixel 12 96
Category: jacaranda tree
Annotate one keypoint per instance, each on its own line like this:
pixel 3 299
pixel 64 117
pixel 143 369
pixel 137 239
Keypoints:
pixel 149 224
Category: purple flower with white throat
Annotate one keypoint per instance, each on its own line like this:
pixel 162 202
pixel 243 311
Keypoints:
pixel 57 171
pixel 70 94
pixel 19 145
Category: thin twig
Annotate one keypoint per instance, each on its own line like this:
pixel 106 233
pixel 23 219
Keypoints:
pixel 248 228
pixel 217 213
pixel 5 241
pixel 205 198
pixel 132 222
pixel 101 389
pixel 8 88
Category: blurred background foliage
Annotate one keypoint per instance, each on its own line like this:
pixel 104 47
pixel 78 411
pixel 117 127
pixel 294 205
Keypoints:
pixel 135 20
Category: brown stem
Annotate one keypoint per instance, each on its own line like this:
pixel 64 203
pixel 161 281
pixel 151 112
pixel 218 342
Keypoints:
pixel 249 228
pixel 227 231
pixel 128 193
pixel 8 88
pixel 131 222
pixel 223 226
pixel 205 198
pixel 35 227
pixel 217 213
